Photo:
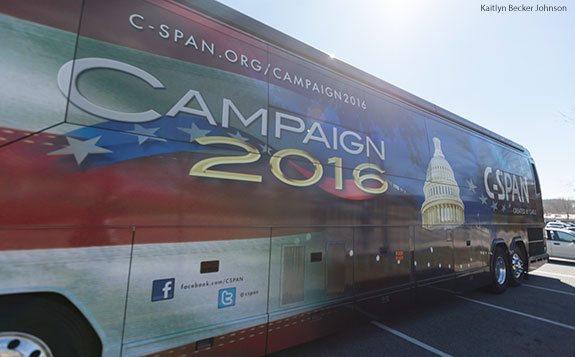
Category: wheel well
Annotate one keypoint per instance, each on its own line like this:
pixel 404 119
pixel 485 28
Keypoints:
pixel 519 243
pixel 499 243
pixel 494 245
pixel 503 245
pixel 56 299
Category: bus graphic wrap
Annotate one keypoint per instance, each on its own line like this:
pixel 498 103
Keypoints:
pixel 149 138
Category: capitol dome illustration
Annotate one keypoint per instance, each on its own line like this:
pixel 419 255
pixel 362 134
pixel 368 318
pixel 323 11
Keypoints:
pixel 442 206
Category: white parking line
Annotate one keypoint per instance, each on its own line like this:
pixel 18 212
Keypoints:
pixel 410 339
pixel 569 327
pixel 401 335
pixel 552 274
pixel 553 290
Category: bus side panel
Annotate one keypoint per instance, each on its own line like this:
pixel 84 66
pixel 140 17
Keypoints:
pixel 186 54
pixel 495 184
pixel 37 38
pixel 383 260
pixel 402 128
pixel 477 191
pixel 311 284
pixel 89 266
pixel 309 90
pixel 200 283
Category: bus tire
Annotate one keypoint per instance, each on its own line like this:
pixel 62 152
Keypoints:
pixel 52 328
pixel 518 265
pixel 500 271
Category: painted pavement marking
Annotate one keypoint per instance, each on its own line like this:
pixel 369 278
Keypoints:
pixel 569 327
pixel 402 335
pixel 547 289
pixel 410 339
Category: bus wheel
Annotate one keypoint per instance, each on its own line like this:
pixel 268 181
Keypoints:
pixel 39 327
pixel 517 266
pixel 22 344
pixel 500 271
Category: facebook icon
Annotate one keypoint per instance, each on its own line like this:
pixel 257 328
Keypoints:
pixel 163 289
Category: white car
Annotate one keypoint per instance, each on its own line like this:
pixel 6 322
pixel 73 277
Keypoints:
pixel 558 224
pixel 560 243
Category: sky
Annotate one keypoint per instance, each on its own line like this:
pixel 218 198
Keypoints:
pixel 510 72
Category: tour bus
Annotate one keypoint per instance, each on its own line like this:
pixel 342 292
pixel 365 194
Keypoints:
pixel 177 178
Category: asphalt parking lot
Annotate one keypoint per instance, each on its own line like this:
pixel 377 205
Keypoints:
pixel 536 319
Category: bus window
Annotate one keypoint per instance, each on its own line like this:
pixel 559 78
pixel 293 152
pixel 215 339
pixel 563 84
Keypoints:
pixel 536 177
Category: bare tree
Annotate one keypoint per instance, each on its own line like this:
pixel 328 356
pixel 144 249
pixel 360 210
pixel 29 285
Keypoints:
pixel 549 207
pixel 565 206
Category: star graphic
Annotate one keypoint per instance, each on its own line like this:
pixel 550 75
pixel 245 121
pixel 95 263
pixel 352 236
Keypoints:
pixel 494 206
pixel 483 199
pixel 504 208
pixel 238 136
pixel 145 133
pixel 80 149
pixel 266 149
pixel 194 132
pixel 472 186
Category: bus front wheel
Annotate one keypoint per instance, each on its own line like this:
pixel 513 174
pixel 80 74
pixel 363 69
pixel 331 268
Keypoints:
pixel 40 326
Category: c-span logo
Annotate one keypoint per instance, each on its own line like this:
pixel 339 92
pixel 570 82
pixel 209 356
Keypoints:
pixel 163 289
pixel 226 297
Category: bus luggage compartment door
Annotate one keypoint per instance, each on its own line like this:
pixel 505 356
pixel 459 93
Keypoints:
pixel 434 258
pixel 311 284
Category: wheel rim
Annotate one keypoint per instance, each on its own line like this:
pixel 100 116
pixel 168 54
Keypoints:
pixel 16 344
pixel 500 270
pixel 517 265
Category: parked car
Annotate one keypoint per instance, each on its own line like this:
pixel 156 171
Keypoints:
pixel 561 243
pixel 558 224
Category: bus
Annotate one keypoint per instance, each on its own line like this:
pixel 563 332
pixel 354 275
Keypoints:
pixel 178 178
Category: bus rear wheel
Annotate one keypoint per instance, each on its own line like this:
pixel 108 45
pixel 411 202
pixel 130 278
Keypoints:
pixel 500 270
pixel 35 326
pixel 518 266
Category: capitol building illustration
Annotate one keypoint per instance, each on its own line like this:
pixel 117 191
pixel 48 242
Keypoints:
pixel 442 206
